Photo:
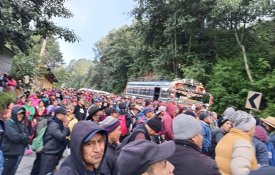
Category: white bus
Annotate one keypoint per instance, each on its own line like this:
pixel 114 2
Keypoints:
pixel 184 91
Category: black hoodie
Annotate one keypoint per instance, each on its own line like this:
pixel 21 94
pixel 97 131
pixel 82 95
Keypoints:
pixel 16 135
pixel 73 164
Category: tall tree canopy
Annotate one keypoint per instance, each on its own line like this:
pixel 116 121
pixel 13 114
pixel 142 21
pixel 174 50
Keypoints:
pixel 223 43
pixel 22 19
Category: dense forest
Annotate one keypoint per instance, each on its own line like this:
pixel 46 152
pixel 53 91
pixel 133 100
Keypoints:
pixel 228 45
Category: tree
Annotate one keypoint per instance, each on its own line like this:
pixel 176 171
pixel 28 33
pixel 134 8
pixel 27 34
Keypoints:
pixel 32 64
pixel 23 19
pixel 236 16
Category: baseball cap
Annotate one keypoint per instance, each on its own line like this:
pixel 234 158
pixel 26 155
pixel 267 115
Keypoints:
pixel 22 110
pixel 89 136
pixel 109 111
pixel 60 110
pixel 148 109
pixel 161 109
pixel 137 156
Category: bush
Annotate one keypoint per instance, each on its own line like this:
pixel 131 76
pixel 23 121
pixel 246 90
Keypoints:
pixel 5 98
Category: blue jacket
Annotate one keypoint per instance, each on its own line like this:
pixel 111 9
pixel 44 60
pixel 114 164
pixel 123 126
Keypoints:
pixel 206 134
pixel 261 151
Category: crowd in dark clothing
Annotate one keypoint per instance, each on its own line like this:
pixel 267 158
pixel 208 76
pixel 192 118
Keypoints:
pixel 79 120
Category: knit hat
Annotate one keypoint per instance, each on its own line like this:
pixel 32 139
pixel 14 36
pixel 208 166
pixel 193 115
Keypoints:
pixel 185 127
pixel 110 124
pixel 229 112
pixel 242 120
pixel 137 156
pixel 155 124
pixel 60 110
pixel 222 120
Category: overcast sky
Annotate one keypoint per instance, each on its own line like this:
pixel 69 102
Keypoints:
pixel 93 19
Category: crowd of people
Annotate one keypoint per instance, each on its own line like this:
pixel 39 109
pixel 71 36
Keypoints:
pixel 106 134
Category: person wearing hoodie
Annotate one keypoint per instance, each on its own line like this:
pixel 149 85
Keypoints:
pixel 88 148
pixel 15 140
pixel 167 121
pixel 54 141
pixel 259 140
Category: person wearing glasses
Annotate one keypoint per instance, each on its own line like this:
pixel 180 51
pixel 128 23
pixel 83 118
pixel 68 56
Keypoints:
pixel 88 148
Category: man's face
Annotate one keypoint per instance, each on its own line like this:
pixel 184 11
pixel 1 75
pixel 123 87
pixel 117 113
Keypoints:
pixel 115 135
pixel 136 112
pixel 92 151
pixel 97 116
pixel 20 117
pixel 69 110
pixel 162 168
pixel 150 114
pixel 227 126
pixel 114 114
pixel 61 117
pixel 208 120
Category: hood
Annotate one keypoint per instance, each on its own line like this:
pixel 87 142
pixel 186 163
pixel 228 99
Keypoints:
pixel 14 112
pixel 81 130
pixel 261 134
pixel 170 109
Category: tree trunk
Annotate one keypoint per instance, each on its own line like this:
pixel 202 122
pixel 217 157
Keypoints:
pixel 42 51
pixel 245 59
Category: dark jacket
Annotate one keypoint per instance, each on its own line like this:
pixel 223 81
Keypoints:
pixel 188 160
pixel 2 132
pixel 73 164
pixel 217 135
pixel 141 129
pixel 16 135
pixel 261 151
pixel 54 141
pixel 109 165
pixel 80 112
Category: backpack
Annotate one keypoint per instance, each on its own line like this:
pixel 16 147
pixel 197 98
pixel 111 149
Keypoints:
pixel 271 153
pixel 130 138
pixel 37 143
pixel 124 129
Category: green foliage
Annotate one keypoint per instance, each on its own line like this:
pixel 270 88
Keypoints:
pixel 76 74
pixel 32 64
pixel 228 84
pixel 193 39
pixel 6 98
pixel 20 20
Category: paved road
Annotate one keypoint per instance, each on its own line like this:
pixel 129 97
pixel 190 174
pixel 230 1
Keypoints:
pixel 25 166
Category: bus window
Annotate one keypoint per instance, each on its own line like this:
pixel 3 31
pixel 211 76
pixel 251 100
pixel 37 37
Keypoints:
pixel 164 93
pixel 142 90
pixel 151 91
